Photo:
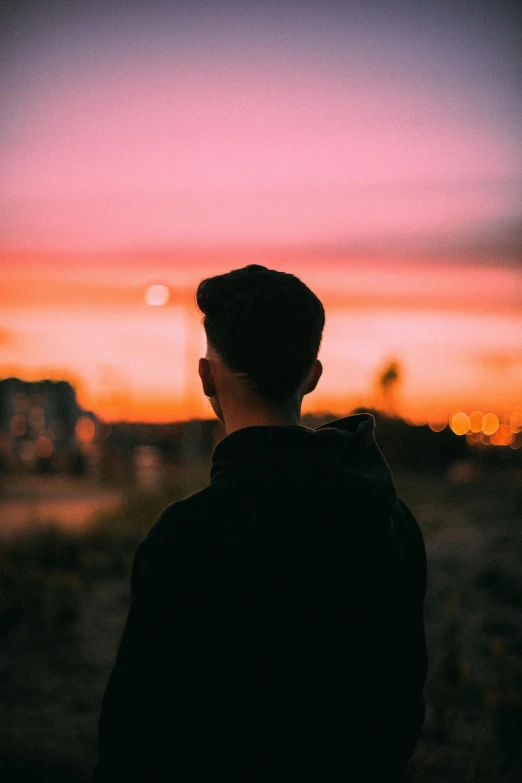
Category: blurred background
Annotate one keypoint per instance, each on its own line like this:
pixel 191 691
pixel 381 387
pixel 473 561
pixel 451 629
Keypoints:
pixel 371 148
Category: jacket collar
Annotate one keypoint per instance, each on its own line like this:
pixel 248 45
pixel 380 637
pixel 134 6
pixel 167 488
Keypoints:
pixel 344 444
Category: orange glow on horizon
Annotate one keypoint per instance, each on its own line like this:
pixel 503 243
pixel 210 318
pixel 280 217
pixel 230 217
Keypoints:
pixel 162 409
pixel 132 361
pixel 378 279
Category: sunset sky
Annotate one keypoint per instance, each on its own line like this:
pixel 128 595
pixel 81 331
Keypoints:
pixel 373 149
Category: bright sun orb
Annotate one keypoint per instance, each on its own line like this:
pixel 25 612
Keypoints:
pixel 157 295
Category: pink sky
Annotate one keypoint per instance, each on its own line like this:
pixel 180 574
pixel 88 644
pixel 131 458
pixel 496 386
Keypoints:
pixel 147 156
pixel 241 127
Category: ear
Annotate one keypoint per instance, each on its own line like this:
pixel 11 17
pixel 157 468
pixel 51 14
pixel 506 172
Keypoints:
pixel 207 381
pixel 313 377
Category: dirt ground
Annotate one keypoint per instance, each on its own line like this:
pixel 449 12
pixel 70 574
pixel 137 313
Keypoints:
pixel 59 642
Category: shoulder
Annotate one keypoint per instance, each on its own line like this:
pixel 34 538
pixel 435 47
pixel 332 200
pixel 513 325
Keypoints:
pixel 174 537
pixel 187 519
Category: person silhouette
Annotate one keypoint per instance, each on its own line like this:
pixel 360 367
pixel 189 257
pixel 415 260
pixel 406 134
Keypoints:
pixel 276 628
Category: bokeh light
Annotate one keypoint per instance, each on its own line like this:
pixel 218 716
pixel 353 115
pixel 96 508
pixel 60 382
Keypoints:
pixel 502 436
pixel 515 422
pixel 475 421
pixel 104 430
pixel 157 295
pixel 490 423
pixel 516 443
pixel 44 447
pixel 460 423
pixel 85 429
pixel 18 425
pixel 437 420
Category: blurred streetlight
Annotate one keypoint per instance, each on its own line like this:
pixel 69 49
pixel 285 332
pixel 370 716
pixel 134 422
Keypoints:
pixel 157 295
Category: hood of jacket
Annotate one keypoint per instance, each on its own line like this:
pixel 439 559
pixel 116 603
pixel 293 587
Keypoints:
pixel 344 449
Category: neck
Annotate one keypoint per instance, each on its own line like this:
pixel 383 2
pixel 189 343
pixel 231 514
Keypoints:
pixel 236 418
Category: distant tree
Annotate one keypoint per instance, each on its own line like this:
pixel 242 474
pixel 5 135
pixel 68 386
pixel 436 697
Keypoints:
pixel 389 379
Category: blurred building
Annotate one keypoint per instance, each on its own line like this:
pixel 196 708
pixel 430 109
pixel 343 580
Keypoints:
pixel 42 426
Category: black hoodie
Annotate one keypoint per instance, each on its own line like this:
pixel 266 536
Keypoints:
pixel 276 628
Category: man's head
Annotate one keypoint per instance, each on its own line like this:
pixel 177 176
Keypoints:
pixel 263 330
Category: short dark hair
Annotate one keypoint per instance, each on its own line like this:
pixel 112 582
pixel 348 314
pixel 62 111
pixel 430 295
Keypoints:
pixel 263 323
